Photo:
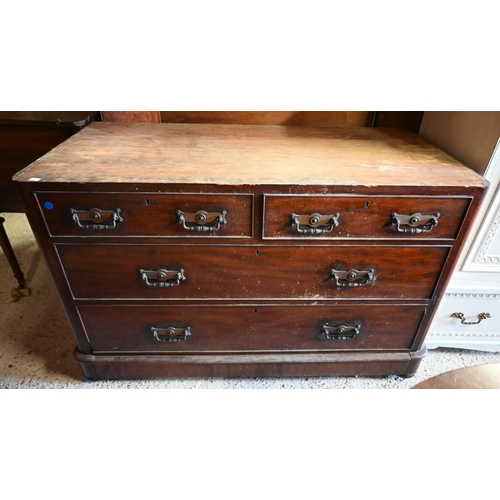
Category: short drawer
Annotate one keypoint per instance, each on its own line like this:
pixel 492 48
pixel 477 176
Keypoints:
pixel 147 214
pixel 216 328
pixel 246 272
pixel 394 217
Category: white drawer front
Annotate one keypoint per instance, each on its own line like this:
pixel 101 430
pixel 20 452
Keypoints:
pixel 449 331
pixel 471 306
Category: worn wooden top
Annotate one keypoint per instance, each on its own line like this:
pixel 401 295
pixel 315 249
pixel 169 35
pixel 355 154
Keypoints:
pixel 239 154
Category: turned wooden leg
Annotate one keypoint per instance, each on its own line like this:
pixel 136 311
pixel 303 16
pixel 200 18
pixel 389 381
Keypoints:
pixel 11 258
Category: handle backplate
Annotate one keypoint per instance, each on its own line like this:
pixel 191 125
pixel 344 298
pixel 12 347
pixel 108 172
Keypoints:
pixel 340 332
pixel 171 334
pixel 415 223
pixel 96 218
pixel 314 223
pixel 202 221
pixel 353 277
pixel 162 277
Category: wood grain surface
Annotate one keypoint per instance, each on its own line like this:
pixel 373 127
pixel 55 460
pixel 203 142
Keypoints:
pixel 363 216
pixel 234 155
pixel 148 214
pixel 131 116
pixel 233 272
pixel 292 118
pixel 127 328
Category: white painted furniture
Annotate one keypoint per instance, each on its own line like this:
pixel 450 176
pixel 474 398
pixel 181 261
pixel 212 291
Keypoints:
pixel 475 284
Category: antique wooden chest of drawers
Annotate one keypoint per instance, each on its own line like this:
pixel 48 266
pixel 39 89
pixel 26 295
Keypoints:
pixel 211 250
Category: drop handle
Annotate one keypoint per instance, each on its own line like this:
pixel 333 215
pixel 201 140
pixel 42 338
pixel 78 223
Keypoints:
pixel 162 277
pixel 462 318
pixel 314 223
pixel 96 218
pixel 171 334
pixel 353 277
pixel 202 221
pixel 415 223
pixel 340 332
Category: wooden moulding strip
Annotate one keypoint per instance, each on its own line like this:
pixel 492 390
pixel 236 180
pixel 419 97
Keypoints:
pixel 404 364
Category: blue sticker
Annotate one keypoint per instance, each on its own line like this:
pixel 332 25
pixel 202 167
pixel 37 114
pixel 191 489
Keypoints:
pixel 48 205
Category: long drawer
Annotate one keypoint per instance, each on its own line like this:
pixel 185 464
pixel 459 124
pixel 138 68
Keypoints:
pixel 216 328
pixel 147 214
pixel 393 217
pixel 248 272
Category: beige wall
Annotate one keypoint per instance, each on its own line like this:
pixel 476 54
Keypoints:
pixel 469 136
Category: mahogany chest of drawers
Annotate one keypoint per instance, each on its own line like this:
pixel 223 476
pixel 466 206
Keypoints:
pixel 211 250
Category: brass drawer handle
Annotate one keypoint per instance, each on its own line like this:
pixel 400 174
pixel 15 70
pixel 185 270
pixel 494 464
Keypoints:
pixel 353 277
pixel 314 223
pixel 162 277
pixel 461 317
pixel 171 334
pixel 201 220
pixel 417 223
pixel 96 218
pixel 340 332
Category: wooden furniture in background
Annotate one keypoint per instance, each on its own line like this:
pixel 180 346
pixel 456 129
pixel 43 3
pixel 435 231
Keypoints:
pixel 217 250
pixel 131 116
pixel 395 119
pixel 290 118
pixel 410 120
pixel 24 137
pixel 470 377
pixel 22 289
pixel 295 118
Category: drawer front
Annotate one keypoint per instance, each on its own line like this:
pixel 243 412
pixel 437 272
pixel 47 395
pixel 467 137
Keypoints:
pixel 478 315
pixel 394 217
pixel 147 214
pixel 247 272
pixel 215 328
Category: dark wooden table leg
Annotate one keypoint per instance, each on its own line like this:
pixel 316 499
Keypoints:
pixel 11 258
